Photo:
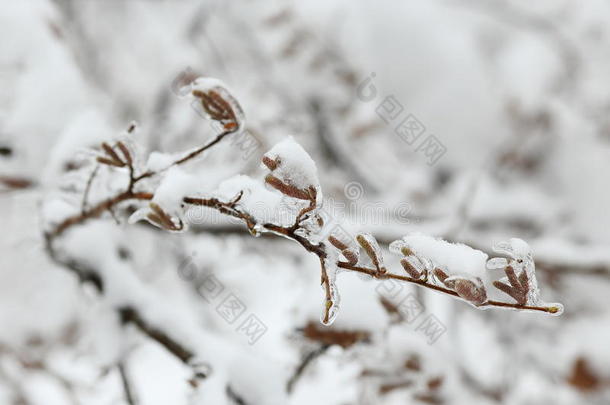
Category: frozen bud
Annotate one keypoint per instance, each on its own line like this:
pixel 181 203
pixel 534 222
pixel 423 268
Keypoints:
pixel 293 166
pixel 126 153
pixel 337 243
pixel 271 164
pixel 372 249
pixel 111 158
pixel 472 291
pixel 218 103
pixel 350 254
pixel 441 276
pixel 406 251
pixel 162 219
pixel 410 269
pixel 158 217
pixel 556 309
pixel 288 189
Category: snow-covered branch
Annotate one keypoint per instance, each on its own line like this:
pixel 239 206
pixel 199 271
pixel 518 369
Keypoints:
pixel 163 192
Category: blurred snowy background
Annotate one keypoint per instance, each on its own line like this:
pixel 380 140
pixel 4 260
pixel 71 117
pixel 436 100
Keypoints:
pixel 515 94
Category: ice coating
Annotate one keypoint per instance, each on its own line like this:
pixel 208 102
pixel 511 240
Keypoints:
pixel 370 245
pixel 454 258
pixel 521 261
pixel 332 306
pixel 207 84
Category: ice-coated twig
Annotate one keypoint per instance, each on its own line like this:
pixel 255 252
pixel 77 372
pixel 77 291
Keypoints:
pixel 451 269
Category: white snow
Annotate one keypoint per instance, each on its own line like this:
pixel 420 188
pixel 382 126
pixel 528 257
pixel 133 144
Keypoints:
pixel 176 185
pixel 454 258
pixel 296 166
pixel 56 210
pixel 158 161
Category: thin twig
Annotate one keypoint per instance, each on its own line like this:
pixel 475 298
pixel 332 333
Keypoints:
pixel 189 156
pixel 126 381
pixel 305 362
pixel 85 201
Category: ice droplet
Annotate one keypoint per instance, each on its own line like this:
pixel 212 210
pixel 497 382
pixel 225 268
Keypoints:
pixel 333 308
pixel 555 309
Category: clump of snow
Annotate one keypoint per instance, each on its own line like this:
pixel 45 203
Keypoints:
pixel 176 185
pixel 295 166
pixel 453 258
pixel 263 204
pixel 158 161
pixel 55 211
pixel 83 132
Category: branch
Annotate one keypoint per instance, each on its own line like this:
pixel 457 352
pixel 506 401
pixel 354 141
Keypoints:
pixel 294 175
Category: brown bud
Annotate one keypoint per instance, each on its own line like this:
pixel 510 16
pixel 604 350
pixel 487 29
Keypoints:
pixel 350 256
pixel 126 153
pixel 218 108
pixel 109 162
pixel 406 251
pixel 271 164
pixel 287 189
pixel 337 243
pixel 410 269
pixel 440 275
pixel 110 152
pixel 161 218
pixel 371 248
pixel 470 291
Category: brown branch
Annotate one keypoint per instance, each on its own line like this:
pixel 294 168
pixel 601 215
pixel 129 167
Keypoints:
pixel 97 210
pixel 85 200
pixel 320 251
pixel 424 283
pixel 519 286
pixel 189 156
pixel 220 110
pixel 305 362
pixel 130 315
